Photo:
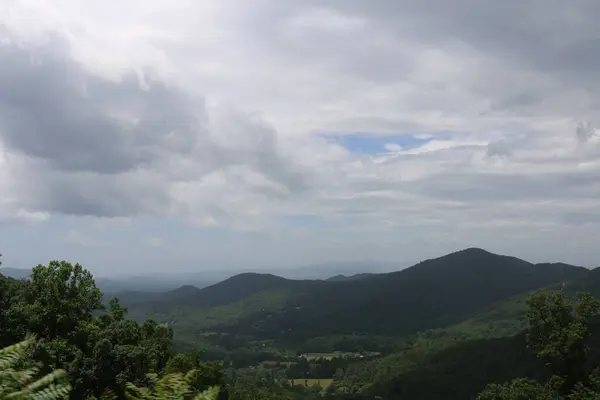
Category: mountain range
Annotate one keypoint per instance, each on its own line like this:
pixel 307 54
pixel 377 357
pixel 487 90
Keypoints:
pixel 434 293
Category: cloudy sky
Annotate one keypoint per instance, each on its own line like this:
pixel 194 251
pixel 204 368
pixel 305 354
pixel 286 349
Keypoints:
pixel 187 135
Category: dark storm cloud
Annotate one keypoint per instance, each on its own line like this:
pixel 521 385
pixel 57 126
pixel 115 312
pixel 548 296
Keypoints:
pixel 52 109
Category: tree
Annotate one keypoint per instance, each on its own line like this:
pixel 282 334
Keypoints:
pixel 558 332
pixel 59 298
pixel 518 389
pixel 11 321
pixel 99 349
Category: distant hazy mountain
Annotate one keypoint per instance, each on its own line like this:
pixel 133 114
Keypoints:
pixel 144 283
pixel 162 282
pixel 15 273
pixel 344 278
pixel 148 283
pixel 327 270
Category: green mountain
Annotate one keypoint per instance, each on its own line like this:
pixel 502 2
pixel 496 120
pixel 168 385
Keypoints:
pixel 506 317
pixel 342 277
pixel 432 294
pixel 491 340
pixel 456 372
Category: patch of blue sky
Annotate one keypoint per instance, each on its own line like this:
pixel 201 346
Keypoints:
pixel 371 143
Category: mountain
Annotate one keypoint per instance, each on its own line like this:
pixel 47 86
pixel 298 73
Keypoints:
pixel 456 372
pixel 326 270
pixel 490 340
pixel 15 273
pixel 507 317
pixel 343 278
pixel 228 291
pixel 434 293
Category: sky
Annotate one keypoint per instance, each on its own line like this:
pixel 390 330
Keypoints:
pixel 190 135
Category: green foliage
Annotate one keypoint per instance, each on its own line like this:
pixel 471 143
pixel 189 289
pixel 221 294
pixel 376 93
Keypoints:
pixel 259 384
pixel 11 328
pixel 59 299
pixel 519 389
pixel 248 391
pixel 19 377
pixel 181 363
pixel 174 386
pixel 558 332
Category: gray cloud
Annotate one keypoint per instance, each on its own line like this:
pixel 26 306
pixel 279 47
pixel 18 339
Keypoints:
pixel 585 132
pixel 114 148
pixel 498 149
pixel 523 187
pixel 578 218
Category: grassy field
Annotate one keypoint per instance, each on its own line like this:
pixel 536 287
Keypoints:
pixel 324 383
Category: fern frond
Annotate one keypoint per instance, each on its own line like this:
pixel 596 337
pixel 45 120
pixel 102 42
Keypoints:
pixel 209 394
pixel 19 384
pixel 170 387
pixel 10 355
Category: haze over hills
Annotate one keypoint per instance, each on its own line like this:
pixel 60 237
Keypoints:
pixel 162 282
pixel 431 294
pixel 142 283
pixel 15 273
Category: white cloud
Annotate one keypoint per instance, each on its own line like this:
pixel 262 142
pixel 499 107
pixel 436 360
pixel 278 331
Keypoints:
pixel 393 147
pixel 155 242
pixel 207 112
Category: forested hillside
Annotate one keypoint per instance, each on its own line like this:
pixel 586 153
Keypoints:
pixel 432 294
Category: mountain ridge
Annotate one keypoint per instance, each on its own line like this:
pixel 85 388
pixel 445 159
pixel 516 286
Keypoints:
pixel 434 293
